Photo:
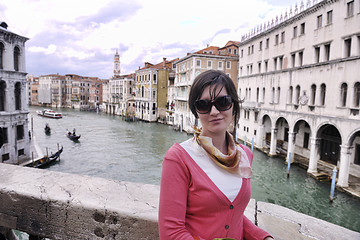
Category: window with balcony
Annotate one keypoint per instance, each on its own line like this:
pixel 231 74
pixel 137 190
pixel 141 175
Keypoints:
pixel 327 52
pixel 347 43
pixel 343 94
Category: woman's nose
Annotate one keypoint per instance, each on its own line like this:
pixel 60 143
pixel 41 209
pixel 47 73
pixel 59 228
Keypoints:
pixel 214 110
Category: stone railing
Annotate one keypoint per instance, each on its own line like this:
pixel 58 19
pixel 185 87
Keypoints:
pixel 58 205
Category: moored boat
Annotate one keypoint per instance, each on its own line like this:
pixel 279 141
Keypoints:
pixel 46 160
pixel 49 113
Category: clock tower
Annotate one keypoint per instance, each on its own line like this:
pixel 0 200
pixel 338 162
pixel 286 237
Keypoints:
pixel 116 64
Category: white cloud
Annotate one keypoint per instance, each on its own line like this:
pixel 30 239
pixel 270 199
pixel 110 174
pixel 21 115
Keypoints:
pixel 82 32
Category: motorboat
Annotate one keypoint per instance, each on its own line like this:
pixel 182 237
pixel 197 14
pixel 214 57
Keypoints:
pixel 49 113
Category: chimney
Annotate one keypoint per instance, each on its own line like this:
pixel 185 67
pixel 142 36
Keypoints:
pixel 164 62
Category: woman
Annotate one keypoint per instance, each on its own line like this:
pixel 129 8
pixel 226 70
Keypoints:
pixel 205 181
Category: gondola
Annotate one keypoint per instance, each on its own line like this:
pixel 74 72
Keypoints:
pixel 47 129
pixel 72 136
pixel 46 160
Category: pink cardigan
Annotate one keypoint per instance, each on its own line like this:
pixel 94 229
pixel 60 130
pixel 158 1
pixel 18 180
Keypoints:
pixel 191 205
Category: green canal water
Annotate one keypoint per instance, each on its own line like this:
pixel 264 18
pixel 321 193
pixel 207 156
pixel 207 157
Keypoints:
pixel 133 151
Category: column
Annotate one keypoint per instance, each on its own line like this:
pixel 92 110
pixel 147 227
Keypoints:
pixel 314 154
pixel 291 146
pixel 344 168
pixel 354 46
pixel 260 137
pixel 273 142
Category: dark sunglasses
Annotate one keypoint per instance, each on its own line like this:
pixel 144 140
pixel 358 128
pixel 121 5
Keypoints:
pixel 204 106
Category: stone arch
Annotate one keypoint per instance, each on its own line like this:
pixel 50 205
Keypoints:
pixel 17 54
pixel 267 123
pixel 282 127
pixel 302 131
pixel 330 142
pixel 354 143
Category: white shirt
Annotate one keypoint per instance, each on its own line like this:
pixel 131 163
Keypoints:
pixel 228 183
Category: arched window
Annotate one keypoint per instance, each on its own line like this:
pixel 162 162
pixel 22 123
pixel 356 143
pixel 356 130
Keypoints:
pixel 357 94
pixel 257 94
pixel 2 55
pixel 278 95
pixel 2 95
pixel 142 91
pixel 322 94
pixel 273 95
pixel 297 94
pixel 343 94
pixel 263 95
pixel 313 94
pixel 17 96
pixel 290 97
pixel 249 94
pixel 16 58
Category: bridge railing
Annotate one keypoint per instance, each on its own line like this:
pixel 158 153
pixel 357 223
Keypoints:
pixel 66 206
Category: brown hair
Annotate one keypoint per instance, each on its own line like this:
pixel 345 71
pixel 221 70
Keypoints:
pixel 219 80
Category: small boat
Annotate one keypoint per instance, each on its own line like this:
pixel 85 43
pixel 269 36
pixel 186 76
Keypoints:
pixel 46 160
pixel 49 113
pixel 73 136
pixel 47 129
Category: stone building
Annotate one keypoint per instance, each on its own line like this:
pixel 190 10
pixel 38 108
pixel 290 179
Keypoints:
pixel 151 90
pixel 14 122
pixel 299 76
pixel 187 68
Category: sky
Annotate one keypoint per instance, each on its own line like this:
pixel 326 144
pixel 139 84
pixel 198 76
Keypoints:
pixel 81 36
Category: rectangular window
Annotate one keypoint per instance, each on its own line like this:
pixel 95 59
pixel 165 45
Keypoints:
pixel 242 53
pixel 329 17
pixel 267 42
pixel 282 37
pixel 249 50
pixel 276 39
pixel 319 21
pixel 327 52
pixel 252 49
pixel 281 59
pixel 357 154
pixel 19 132
pixel 302 28
pixel 260 46
pixel 350 9
pixel 347 47
pixel 295 32
pixel 220 65
pixel 306 140
pixel 301 56
pixel 228 64
pixel 209 64
pixel 4 136
pixel 293 60
pixel 275 64
pixel 317 54
pixel 198 63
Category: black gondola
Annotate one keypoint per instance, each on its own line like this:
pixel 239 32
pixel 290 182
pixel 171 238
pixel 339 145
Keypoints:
pixel 47 129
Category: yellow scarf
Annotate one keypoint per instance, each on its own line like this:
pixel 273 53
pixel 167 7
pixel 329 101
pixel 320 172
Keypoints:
pixel 234 162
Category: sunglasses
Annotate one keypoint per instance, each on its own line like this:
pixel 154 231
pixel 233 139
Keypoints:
pixel 204 106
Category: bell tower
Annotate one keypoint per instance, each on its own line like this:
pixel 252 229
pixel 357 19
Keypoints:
pixel 116 64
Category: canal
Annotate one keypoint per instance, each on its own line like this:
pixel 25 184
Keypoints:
pixel 133 151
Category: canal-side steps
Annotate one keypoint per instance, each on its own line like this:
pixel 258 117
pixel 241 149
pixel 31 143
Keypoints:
pixel 59 205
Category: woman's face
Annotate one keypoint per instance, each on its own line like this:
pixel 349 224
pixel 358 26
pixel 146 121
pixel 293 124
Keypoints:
pixel 215 122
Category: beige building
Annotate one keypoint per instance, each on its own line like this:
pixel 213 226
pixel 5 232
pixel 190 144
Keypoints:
pixel 14 124
pixel 299 76
pixel 187 68
pixel 151 90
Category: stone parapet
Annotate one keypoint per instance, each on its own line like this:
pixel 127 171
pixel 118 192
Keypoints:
pixel 68 206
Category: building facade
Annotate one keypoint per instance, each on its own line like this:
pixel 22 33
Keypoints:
pixel 187 68
pixel 14 124
pixel 300 83
pixel 151 90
